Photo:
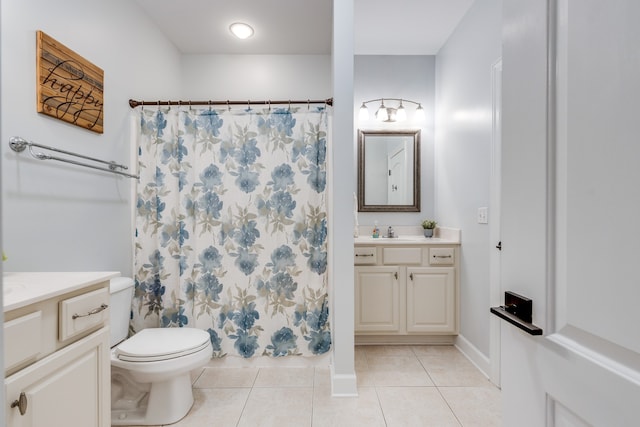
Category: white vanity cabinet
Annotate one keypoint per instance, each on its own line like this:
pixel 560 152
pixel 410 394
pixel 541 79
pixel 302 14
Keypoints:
pixel 57 356
pixel 406 291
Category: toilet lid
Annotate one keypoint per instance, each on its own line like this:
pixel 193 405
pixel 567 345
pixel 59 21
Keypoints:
pixel 162 343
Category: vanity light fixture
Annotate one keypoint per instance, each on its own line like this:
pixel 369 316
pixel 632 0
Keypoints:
pixel 241 30
pixel 382 114
pixel 385 113
pixel 363 115
pixel 401 113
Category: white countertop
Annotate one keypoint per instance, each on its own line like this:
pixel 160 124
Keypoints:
pixel 22 289
pixel 404 240
pixel 410 236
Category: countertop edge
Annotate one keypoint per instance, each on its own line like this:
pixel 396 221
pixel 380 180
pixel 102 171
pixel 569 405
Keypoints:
pixel 368 241
pixel 31 288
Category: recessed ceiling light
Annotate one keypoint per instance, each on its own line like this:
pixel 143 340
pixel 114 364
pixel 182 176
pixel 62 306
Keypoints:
pixel 241 30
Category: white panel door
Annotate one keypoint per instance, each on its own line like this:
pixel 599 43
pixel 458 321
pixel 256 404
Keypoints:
pixel 570 209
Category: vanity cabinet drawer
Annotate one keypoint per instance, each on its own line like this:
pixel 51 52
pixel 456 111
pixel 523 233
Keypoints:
pixel 83 313
pixel 25 336
pixel 401 256
pixel 441 256
pixel 365 255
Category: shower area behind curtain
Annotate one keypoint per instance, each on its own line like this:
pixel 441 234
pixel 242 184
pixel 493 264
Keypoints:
pixel 231 227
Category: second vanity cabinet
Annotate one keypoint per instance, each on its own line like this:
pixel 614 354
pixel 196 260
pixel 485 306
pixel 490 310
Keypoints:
pixel 406 292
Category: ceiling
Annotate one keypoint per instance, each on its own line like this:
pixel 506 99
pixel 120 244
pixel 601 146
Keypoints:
pixel 382 27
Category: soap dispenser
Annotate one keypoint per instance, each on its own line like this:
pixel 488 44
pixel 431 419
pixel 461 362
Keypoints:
pixel 376 230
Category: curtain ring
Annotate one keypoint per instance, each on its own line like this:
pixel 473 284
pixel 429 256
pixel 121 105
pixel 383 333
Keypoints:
pixel 209 105
pixel 269 105
pixel 308 104
pixel 158 105
pixel 189 105
pixel 228 106
pixel 289 105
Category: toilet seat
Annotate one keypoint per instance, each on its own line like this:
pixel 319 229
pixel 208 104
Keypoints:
pixel 157 344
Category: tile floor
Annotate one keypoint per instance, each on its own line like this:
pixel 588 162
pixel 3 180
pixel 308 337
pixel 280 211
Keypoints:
pixel 398 386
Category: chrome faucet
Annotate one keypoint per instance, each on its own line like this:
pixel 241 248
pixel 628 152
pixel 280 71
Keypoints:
pixel 391 233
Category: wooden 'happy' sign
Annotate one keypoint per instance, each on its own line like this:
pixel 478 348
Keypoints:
pixel 69 87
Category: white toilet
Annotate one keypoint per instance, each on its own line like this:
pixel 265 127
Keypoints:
pixel 150 372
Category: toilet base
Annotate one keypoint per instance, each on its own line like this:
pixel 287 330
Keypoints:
pixel 166 402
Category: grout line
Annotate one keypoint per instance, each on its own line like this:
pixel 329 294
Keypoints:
pixel 313 393
pixel 197 378
pixel 244 407
pixel 384 418
pixel 255 379
pixel 449 406
pixel 427 372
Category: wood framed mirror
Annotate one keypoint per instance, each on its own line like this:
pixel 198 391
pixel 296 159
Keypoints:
pixel 389 171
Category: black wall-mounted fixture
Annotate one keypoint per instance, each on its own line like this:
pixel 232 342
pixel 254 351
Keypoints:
pixel 517 310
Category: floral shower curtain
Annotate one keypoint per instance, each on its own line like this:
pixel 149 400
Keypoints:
pixel 231 227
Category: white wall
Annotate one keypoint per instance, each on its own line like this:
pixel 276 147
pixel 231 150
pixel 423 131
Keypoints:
pixel 256 77
pixel 341 273
pixel 405 77
pixel 58 217
pixel 463 154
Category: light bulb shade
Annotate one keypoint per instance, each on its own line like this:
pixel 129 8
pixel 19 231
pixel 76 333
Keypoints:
pixel 382 114
pixel 420 114
pixel 401 114
pixel 391 115
pixel 363 114
pixel 241 30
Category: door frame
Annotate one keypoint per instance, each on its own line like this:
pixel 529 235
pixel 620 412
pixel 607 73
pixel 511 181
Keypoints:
pixel 495 288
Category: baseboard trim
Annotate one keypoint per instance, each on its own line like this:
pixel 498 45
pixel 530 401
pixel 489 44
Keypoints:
pixel 343 385
pixel 404 339
pixel 474 355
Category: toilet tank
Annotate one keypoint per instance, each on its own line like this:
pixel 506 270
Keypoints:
pixel 121 289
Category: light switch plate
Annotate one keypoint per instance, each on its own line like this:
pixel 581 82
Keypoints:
pixel 483 215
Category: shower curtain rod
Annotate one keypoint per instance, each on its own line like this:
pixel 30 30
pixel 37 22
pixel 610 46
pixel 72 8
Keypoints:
pixel 133 103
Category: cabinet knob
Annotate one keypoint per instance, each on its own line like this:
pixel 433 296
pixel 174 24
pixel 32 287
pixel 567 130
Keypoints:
pixel 395 275
pixel 21 403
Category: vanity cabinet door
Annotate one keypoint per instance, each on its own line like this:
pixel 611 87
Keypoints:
pixel 377 299
pixel 431 300
pixel 69 388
